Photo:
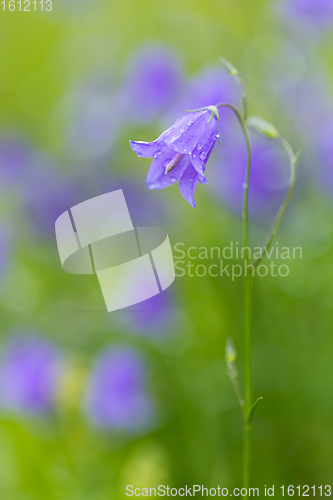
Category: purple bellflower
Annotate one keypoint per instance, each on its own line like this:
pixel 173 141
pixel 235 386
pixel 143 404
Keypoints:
pixel 181 152
pixel 116 396
pixel 29 375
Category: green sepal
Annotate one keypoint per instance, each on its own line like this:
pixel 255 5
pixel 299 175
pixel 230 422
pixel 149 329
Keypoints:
pixel 262 126
pixel 213 111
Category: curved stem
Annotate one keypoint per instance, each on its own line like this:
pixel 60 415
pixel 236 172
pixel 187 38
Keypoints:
pixel 244 95
pixel 247 304
pixel 282 208
pixel 247 179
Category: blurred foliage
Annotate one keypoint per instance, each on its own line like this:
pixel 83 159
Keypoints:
pixel 196 437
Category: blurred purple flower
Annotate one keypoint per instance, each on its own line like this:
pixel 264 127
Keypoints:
pixel 91 121
pixel 4 250
pixel 116 395
pixel 324 156
pixel 14 155
pixel 212 85
pixel 153 82
pixel 269 177
pixel 29 375
pixel 312 120
pixel 46 193
pixel 183 150
pixel 307 113
pixel 313 10
pixel 153 316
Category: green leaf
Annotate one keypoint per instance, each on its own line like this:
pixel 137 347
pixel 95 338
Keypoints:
pixel 265 128
pixel 229 67
pixel 252 409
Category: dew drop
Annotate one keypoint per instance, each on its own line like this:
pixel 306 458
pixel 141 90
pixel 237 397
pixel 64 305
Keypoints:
pixel 199 147
pixel 245 185
pixel 202 155
pixel 173 179
pixel 151 185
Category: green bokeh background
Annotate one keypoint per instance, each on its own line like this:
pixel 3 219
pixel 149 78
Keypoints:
pixel 198 439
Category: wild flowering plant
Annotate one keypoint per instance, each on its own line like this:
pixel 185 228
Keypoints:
pixel 180 154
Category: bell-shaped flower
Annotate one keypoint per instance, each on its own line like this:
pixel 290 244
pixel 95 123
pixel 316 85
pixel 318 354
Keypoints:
pixel 181 152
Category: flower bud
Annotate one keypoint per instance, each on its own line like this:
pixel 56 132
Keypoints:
pixel 229 67
pixel 260 125
pixel 230 351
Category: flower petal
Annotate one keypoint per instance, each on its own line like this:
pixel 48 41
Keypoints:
pixel 188 135
pixel 146 149
pixel 151 149
pixel 187 184
pixel 157 178
pixel 180 126
pixel 203 149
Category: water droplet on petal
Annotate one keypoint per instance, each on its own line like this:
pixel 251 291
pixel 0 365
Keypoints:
pixel 245 185
pixel 199 147
pixel 202 155
pixel 151 185
pixel 173 179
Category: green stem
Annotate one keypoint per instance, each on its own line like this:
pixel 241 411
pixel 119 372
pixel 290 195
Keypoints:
pixel 248 389
pixel 244 95
pixel 249 268
pixel 247 304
